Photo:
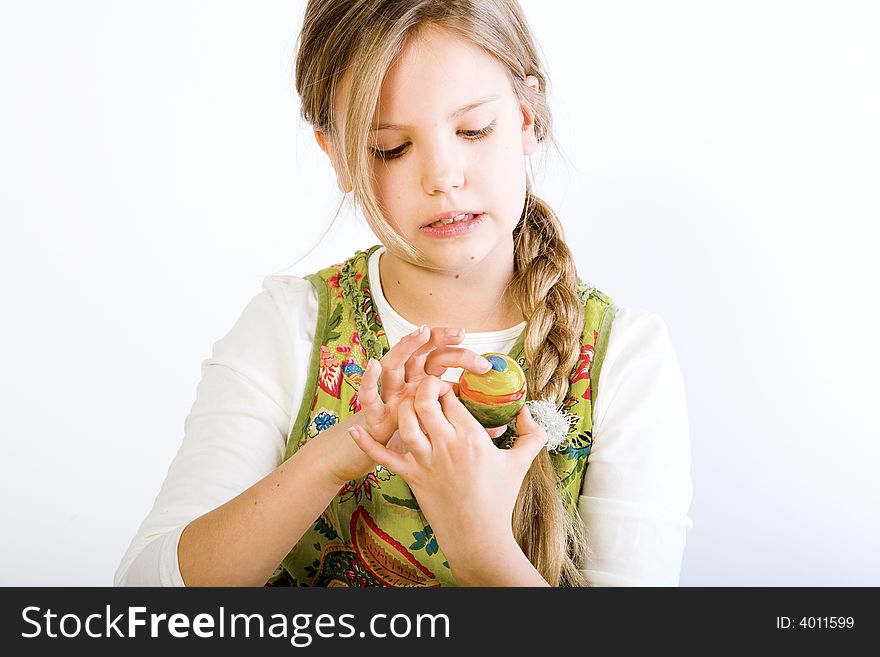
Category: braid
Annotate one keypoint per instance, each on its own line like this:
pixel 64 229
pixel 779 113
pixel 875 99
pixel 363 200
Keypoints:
pixel 545 289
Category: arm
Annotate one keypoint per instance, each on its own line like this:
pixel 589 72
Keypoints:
pixel 637 489
pixel 507 567
pixel 243 541
pixel 229 510
pixel 236 431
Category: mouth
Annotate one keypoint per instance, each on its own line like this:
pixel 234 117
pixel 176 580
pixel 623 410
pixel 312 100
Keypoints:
pixel 454 217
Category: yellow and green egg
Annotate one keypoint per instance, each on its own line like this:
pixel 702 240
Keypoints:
pixel 494 398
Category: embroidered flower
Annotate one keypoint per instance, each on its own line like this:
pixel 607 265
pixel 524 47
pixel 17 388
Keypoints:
pixel 425 539
pixel 329 373
pixel 579 446
pixel 358 489
pixel 324 421
pixel 356 574
pixel 383 473
pixel 356 339
pixel 352 372
pixel 333 282
pixel 585 360
pixel 354 404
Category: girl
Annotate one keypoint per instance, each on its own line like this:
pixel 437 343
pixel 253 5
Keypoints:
pixel 327 445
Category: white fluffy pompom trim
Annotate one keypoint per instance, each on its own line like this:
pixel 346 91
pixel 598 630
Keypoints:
pixel 556 422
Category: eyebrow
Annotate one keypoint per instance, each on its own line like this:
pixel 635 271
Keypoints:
pixel 457 113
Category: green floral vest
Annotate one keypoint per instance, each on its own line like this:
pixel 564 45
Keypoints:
pixel 373 532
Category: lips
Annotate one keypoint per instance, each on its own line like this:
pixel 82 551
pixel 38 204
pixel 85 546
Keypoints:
pixel 453 216
pixel 466 224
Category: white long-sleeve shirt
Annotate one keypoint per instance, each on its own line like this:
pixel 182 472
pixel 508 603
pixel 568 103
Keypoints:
pixel 637 488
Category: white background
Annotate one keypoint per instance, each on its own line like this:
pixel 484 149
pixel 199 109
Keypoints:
pixel 721 169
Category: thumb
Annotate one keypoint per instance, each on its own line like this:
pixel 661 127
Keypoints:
pixel 496 432
pixel 531 436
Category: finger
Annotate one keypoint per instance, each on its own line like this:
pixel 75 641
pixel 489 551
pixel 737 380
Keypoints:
pixel 409 430
pixel 430 415
pixel 463 422
pixel 444 357
pixel 393 379
pixel 456 413
pixel 496 432
pixel 368 393
pixel 396 444
pixel 440 337
pixel 531 436
pixel 397 463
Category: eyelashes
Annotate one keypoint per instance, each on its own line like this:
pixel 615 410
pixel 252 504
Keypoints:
pixel 470 135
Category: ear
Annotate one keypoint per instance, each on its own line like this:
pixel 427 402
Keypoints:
pixel 529 138
pixel 328 145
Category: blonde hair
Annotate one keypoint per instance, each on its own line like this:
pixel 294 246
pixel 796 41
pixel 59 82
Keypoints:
pixel 360 39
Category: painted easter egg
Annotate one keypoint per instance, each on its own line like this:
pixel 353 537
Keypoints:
pixel 494 398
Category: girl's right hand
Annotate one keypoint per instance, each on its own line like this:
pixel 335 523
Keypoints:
pixel 421 354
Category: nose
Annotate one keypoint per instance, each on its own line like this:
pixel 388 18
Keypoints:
pixel 442 171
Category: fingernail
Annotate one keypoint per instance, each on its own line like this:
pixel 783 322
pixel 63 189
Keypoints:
pixel 419 330
pixel 456 333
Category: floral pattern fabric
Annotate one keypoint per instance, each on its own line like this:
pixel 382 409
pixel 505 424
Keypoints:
pixel 373 533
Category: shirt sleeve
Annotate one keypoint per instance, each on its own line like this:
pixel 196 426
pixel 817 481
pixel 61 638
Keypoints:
pixel 236 431
pixel 637 490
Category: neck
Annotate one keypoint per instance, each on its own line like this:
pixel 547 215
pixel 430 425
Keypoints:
pixel 473 298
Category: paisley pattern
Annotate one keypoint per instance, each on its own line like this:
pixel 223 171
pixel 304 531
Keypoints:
pixel 373 533
pixel 384 557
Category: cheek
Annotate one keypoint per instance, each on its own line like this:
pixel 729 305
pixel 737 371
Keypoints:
pixel 504 166
pixel 503 179
pixel 381 183
pixel 388 191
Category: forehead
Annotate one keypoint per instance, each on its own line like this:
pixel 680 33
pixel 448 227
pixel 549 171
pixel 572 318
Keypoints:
pixel 436 73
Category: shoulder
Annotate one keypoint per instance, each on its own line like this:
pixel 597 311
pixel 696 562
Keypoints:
pixel 284 309
pixel 641 370
pixel 296 299
pixel 281 298
pixel 599 310
pixel 639 340
pixel 289 301
pixel 590 294
pixel 283 290
pixel 636 328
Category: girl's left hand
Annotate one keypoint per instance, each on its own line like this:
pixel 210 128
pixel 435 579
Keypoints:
pixel 464 484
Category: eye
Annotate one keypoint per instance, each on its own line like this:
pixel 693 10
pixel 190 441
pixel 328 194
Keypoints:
pixel 389 155
pixel 474 135
pixel 471 135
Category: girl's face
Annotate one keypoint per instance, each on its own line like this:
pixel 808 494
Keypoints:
pixel 450 135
